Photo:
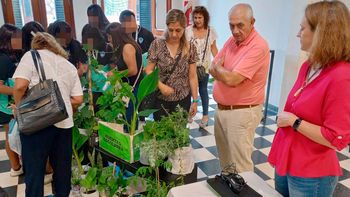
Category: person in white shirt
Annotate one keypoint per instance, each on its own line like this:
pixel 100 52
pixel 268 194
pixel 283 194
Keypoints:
pixel 54 141
pixel 204 37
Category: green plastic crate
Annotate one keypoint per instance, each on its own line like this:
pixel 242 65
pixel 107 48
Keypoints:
pixel 115 141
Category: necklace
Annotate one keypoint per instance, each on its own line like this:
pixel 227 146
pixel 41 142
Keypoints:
pixel 307 80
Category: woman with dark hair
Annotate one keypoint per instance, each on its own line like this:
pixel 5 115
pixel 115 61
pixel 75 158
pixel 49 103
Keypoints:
pixel 204 37
pixel 127 56
pixel 97 17
pixel 315 122
pixel 94 38
pixel 54 141
pixel 175 57
pixel 27 36
pixel 8 38
pixel 63 34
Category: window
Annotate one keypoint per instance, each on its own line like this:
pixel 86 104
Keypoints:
pixel 112 8
pixel 54 10
pixel 22 10
pixel 19 12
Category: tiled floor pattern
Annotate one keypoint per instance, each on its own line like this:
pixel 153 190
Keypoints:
pixel 205 154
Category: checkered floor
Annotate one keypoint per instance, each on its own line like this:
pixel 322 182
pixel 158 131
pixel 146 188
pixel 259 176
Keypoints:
pixel 205 154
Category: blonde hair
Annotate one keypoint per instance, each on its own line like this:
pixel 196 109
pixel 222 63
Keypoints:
pixel 43 40
pixel 330 22
pixel 173 16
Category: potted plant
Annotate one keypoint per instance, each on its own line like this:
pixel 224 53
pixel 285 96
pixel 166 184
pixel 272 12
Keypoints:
pixel 112 111
pixel 169 138
pixel 109 184
pixel 88 183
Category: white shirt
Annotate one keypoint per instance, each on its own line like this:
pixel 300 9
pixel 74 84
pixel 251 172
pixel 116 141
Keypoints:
pixel 58 69
pixel 200 44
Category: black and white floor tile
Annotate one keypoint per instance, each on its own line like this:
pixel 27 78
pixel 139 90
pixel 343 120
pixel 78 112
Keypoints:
pixel 205 155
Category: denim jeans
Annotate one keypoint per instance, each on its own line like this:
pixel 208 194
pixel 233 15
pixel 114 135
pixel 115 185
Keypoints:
pixel 203 92
pixel 52 142
pixel 305 187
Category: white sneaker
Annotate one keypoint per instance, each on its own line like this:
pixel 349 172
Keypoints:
pixel 15 173
pixel 47 178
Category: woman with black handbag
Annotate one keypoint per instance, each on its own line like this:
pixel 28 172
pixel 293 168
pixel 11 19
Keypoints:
pixel 175 58
pixel 204 37
pixel 54 141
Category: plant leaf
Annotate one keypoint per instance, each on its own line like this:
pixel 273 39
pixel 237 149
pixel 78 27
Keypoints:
pixel 148 85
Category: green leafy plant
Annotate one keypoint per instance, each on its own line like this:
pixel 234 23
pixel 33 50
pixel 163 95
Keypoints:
pixel 89 182
pixel 160 140
pixel 109 184
pixel 113 101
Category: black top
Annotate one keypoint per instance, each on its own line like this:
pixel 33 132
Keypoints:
pixel 144 38
pixel 7 67
pixel 122 66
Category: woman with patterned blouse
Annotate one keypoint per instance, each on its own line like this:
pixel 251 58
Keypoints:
pixel 176 84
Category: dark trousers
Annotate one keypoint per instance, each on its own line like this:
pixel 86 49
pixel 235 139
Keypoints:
pixel 52 142
pixel 130 112
pixel 167 107
pixel 203 92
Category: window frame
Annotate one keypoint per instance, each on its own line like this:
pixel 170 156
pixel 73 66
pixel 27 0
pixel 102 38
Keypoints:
pixel 39 13
pixel 155 31
pixel 131 4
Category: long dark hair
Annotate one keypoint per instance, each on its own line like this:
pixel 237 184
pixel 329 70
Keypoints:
pixel 60 27
pixel 96 10
pixel 27 37
pixel 7 31
pixel 97 36
pixel 120 39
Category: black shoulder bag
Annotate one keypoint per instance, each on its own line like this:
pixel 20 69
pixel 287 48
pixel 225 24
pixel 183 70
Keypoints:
pixel 200 69
pixel 42 105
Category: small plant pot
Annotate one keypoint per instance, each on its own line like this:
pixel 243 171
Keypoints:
pixel 182 161
pixel 93 193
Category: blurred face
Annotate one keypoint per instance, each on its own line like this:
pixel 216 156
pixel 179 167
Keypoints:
pixel 109 38
pixel 64 38
pixel 240 26
pixel 306 35
pixel 93 21
pixel 198 20
pixel 130 25
pixel 175 31
pixel 16 41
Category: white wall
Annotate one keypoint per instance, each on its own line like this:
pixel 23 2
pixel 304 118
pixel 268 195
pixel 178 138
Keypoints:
pixel 273 19
pixel 80 15
pixel 1 15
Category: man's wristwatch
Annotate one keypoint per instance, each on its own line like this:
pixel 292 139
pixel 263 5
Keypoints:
pixel 296 124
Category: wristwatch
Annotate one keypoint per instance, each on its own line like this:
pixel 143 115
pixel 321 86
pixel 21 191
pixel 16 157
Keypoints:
pixel 296 124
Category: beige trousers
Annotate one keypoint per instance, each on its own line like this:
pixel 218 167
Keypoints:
pixel 234 136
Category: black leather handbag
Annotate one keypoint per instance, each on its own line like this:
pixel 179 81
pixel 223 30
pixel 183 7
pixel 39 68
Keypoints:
pixel 42 105
pixel 201 73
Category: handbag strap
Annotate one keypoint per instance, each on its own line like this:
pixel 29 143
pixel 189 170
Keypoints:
pixel 37 61
pixel 175 65
pixel 206 44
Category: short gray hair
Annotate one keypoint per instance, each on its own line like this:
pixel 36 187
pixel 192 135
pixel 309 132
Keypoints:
pixel 247 8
